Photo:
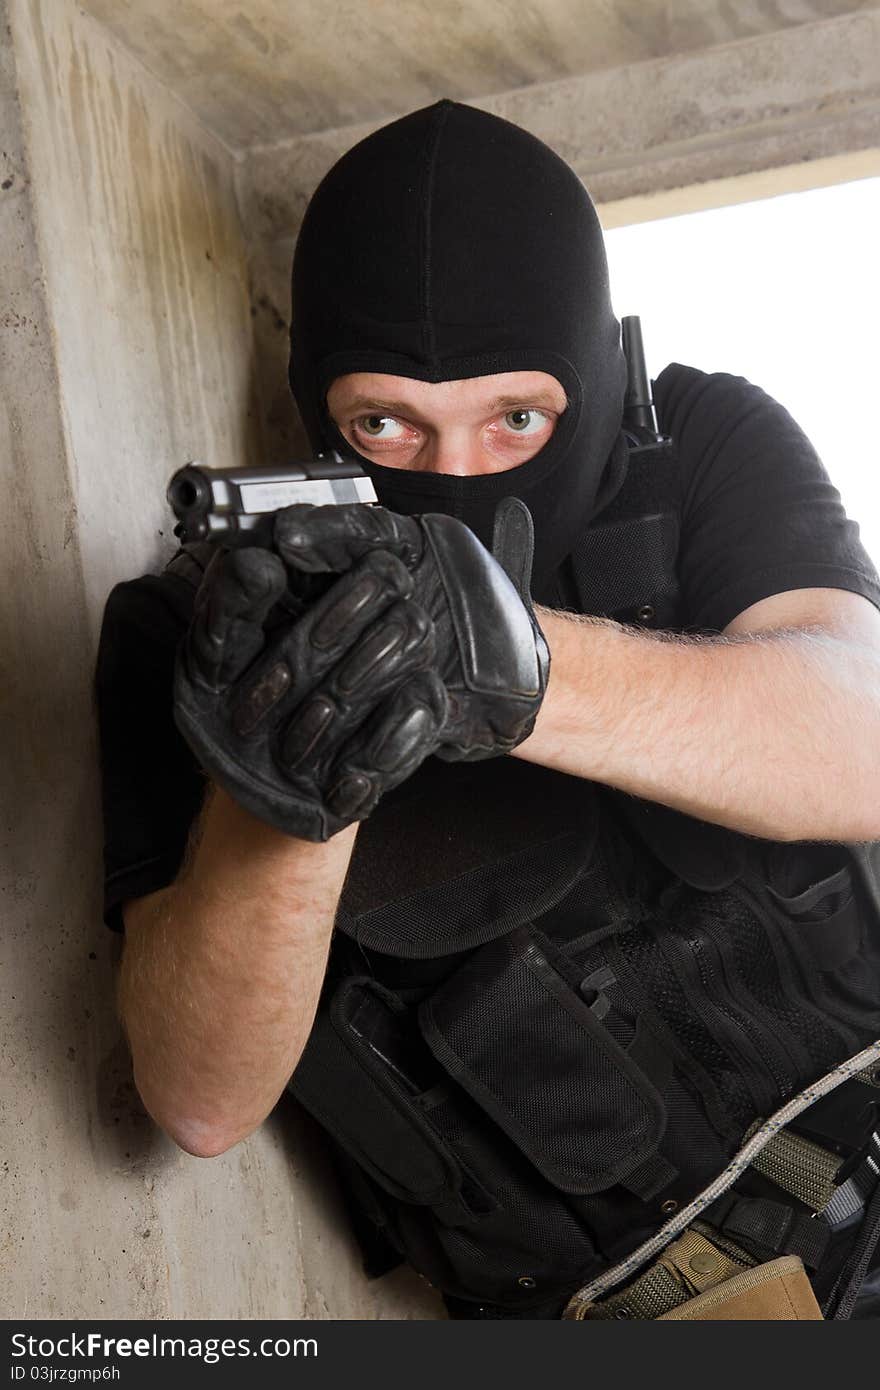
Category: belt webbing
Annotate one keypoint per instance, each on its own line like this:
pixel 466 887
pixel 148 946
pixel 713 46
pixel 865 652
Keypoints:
pixel 799 1167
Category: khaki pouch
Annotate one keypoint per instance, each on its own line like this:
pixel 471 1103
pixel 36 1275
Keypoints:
pixel 778 1291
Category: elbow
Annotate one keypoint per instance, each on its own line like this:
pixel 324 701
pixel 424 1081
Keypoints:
pixel 198 1136
pixel 201 1141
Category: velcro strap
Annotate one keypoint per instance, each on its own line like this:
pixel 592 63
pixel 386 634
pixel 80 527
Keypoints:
pixel 650 1177
pixel 689 1266
pixel 771 1228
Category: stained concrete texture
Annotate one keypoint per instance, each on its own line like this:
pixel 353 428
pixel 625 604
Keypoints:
pixel 777 100
pixel 125 348
pixel 153 172
pixel 269 70
pixel 801 94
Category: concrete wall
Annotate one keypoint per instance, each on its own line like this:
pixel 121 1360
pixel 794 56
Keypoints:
pixel 125 348
pixel 270 70
pixel 143 321
pixel 797 107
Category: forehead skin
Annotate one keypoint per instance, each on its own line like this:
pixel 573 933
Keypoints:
pixel 443 402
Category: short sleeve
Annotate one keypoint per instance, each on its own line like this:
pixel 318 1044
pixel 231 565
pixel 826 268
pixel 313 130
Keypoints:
pixel 152 786
pixel 760 514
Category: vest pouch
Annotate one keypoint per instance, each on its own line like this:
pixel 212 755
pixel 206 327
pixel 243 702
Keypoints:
pixel 817 896
pixel 511 1028
pixel 465 1206
pixel 824 914
pixel 359 1077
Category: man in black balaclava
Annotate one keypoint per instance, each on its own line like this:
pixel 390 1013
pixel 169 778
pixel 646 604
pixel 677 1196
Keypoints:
pixel 452 245
pixel 563 985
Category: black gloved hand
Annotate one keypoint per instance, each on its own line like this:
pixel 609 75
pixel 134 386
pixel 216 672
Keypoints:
pixel 490 652
pixel 308 721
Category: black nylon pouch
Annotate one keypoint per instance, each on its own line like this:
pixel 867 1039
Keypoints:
pixel 829 917
pixel 815 894
pixel 464 1205
pixel 587 1121
pixel 352 1078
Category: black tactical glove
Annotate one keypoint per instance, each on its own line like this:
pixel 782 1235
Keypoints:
pixel 306 720
pixel 490 652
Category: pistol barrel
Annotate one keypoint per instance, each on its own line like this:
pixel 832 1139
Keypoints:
pixel 232 504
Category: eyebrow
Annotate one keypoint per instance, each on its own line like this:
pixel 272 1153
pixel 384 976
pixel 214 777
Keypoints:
pixel 538 399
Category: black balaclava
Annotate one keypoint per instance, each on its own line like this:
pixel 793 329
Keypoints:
pixel 452 244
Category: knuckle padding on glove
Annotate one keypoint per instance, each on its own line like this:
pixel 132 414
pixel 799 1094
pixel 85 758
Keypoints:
pixel 401 742
pixel 351 794
pixel 378 647
pixel 494 631
pixel 348 610
pixel 260 696
pixel 407 723
pixel 305 732
pixel 380 579
pixel 328 630
pixel 401 733
pixel 397 642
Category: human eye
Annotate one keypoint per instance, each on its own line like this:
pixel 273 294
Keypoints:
pixel 380 427
pixel 526 422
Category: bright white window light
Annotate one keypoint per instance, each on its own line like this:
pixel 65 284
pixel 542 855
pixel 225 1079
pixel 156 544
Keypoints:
pixel 786 292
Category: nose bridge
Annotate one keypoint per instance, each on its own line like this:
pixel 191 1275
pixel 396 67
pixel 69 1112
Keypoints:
pixel 456 448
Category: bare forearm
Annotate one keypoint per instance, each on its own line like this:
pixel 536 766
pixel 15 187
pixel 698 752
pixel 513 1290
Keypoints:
pixel 222 971
pixel 776 734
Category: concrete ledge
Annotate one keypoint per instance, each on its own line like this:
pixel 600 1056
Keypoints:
pixel 740 188
pixel 779 99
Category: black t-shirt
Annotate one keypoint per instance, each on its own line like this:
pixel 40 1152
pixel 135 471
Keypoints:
pixel 759 516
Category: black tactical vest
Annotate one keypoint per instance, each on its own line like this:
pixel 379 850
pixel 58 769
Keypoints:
pixel 553 1010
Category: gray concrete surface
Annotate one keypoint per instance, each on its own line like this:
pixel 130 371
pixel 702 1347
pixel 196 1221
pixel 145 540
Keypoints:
pixel 268 70
pixel 774 100
pixel 126 348
pixel 154 164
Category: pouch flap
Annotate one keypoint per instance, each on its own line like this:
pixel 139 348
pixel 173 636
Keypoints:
pixel 812 880
pixel 463 852
pixel 349 1078
pixel 527 1048
pixel 812 888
